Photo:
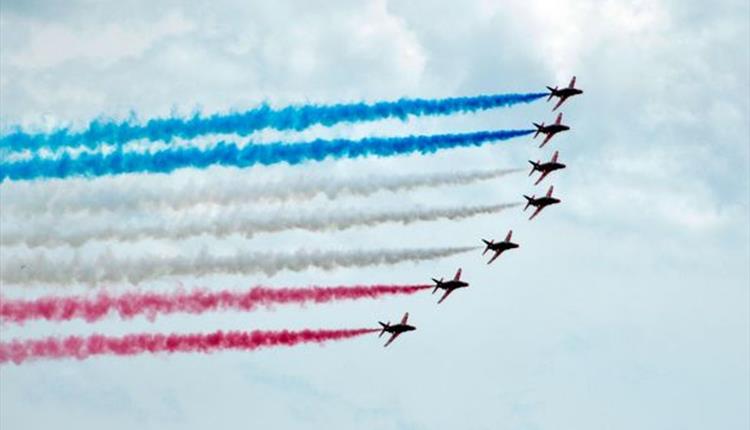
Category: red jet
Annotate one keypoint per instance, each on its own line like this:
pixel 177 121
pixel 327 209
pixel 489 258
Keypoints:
pixel 395 329
pixel 545 168
pixel 449 286
pixel 550 130
pixel 499 247
pixel 564 93
pixel 541 202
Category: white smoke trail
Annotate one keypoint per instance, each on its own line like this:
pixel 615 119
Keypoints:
pixel 53 231
pixel 223 186
pixel 39 268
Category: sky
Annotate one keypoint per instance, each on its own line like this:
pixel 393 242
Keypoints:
pixel 627 305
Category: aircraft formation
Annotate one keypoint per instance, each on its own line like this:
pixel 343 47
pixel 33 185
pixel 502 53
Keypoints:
pixel 95 164
pixel 539 203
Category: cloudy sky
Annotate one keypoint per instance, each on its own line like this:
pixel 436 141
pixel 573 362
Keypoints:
pixel 626 306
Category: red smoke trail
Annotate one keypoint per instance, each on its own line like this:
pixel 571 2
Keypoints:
pixel 128 305
pixel 19 351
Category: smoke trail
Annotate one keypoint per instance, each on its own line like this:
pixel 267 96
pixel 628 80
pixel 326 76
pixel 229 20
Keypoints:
pixel 129 305
pixel 289 118
pixel 221 188
pixel 52 231
pixel 229 154
pixel 20 351
pixel 39 268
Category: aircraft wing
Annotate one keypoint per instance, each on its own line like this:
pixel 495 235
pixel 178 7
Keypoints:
pixel 393 337
pixel 544 174
pixel 458 275
pixel 560 102
pixel 536 212
pixel 549 192
pixel 559 118
pixel 494 257
pixel 572 83
pixel 510 234
pixel 554 156
pixel 406 317
pixel 546 139
pixel 447 293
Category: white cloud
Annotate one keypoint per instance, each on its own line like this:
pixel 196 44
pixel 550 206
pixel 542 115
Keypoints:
pixel 51 44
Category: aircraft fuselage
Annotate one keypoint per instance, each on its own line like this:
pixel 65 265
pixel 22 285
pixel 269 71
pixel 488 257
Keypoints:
pixel 452 285
pixel 567 92
pixel 553 128
pixel 502 246
pixel 544 201
pixel 399 328
pixel 549 167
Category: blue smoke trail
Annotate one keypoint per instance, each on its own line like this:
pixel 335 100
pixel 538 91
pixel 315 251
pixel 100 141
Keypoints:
pixel 229 154
pixel 290 118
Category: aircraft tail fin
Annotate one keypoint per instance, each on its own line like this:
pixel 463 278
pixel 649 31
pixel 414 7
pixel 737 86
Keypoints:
pixel 528 201
pixel 551 92
pixel 534 167
pixel 538 129
pixel 384 325
pixel 488 243
pixel 437 285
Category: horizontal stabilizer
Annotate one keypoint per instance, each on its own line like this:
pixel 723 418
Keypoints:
pixel 528 201
pixel 538 129
pixel 534 167
pixel 488 243
pixel 384 325
pixel 551 92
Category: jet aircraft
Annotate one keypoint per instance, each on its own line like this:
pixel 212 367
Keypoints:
pixel 395 329
pixel 545 168
pixel 449 286
pixel 550 130
pixel 499 247
pixel 564 93
pixel 540 202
